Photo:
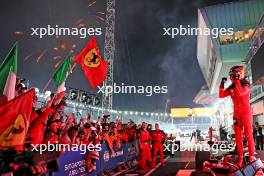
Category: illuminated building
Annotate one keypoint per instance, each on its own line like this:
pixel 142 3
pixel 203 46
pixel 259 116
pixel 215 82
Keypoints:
pixel 217 55
pixel 256 70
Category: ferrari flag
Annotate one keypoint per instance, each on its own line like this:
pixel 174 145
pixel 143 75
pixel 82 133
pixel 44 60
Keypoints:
pixel 14 117
pixel 93 65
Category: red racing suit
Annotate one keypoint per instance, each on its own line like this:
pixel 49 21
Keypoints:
pixel 145 152
pixel 242 114
pixel 157 136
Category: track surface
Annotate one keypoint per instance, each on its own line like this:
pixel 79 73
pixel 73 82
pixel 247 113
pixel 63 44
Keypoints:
pixel 181 160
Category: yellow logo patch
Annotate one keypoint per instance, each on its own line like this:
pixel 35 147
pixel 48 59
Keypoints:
pixel 91 59
pixel 15 133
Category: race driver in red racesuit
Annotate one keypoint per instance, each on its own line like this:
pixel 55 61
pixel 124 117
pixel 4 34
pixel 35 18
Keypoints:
pixel 239 91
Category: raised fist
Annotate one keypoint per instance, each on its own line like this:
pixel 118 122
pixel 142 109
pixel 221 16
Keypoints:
pixel 224 79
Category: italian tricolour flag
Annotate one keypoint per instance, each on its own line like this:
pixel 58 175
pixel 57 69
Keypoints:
pixel 8 71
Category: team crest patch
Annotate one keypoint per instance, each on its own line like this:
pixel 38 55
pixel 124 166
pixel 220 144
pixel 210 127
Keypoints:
pixel 91 59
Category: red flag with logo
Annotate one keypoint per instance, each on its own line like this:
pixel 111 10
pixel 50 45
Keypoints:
pixel 14 117
pixel 93 65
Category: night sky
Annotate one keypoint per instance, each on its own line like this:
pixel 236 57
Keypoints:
pixel 143 55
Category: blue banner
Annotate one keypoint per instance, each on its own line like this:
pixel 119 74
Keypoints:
pixel 72 163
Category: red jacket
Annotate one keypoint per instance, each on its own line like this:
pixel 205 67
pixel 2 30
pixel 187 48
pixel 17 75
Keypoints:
pixel 144 136
pixel 157 135
pixel 240 96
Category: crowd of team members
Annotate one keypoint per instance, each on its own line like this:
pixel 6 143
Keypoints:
pixel 49 124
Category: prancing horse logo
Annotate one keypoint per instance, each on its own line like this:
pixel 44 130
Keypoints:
pixel 91 59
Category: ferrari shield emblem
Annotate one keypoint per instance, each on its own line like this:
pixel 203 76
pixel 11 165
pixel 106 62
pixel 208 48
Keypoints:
pixel 91 59
pixel 15 133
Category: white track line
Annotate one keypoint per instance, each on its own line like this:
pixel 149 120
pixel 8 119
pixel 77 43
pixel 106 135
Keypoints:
pixel 156 167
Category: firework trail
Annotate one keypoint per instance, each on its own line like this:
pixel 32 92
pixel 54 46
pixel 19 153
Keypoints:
pixel 57 57
pixel 92 3
pixel 56 49
pixel 102 13
pixel 72 67
pixel 58 63
pixel 81 20
pixel 63 46
pixel 19 33
pixel 72 49
pixel 41 55
pixel 100 18
pixel 28 56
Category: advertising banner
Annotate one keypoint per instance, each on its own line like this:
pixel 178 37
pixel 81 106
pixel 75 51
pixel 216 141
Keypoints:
pixel 72 163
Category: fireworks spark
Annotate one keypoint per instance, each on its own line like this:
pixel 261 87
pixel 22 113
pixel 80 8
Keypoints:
pixel 96 20
pixel 72 66
pixel 19 33
pixel 28 56
pixel 92 3
pixel 63 46
pixel 100 18
pixel 57 64
pixel 102 13
pixel 74 46
pixel 80 25
pixel 41 55
pixel 56 49
pixel 57 57
pixel 81 20
pixel 72 49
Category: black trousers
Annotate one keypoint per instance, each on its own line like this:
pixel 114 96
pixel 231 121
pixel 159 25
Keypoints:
pixel 259 143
